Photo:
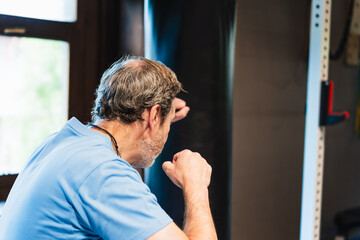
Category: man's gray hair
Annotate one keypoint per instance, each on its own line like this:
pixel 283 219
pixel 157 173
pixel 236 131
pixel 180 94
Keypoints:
pixel 131 85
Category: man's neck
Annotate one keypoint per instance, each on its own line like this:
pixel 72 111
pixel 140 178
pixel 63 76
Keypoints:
pixel 126 136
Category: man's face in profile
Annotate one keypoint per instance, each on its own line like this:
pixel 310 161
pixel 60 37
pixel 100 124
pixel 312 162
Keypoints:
pixel 151 148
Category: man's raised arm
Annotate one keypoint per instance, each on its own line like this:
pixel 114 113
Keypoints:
pixel 192 174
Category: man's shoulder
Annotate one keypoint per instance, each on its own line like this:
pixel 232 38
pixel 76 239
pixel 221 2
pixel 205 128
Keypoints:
pixel 116 170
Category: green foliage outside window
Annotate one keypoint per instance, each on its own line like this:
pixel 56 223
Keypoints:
pixel 33 99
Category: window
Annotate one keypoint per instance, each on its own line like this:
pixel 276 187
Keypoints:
pixel 49 70
pixel 34 96
pixel 56 10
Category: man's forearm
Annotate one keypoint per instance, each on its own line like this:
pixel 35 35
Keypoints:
pixel 198 220
pixel 191 172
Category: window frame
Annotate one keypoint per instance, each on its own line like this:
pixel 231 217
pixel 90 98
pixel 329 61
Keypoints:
pixel 84 62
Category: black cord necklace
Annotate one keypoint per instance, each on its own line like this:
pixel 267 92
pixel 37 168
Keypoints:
pixel 111 136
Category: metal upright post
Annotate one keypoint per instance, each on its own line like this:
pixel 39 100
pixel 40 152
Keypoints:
pixel 314 133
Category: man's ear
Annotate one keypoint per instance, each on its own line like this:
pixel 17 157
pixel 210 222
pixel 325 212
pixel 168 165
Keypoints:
pixel 154 116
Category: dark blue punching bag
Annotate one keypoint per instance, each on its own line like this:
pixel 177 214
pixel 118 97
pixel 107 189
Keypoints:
pixel 196 39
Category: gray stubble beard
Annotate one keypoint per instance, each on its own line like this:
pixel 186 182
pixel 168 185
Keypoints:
pixel 150 150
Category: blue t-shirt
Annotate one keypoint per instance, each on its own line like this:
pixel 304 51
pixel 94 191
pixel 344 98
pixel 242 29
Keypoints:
pixel 75 187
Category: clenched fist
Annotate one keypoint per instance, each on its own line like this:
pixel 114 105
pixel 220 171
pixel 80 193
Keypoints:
pixel 188 170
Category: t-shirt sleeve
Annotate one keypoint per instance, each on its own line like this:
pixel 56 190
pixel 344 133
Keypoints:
pixel 114 203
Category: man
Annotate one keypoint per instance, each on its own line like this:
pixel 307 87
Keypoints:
pixel 80 183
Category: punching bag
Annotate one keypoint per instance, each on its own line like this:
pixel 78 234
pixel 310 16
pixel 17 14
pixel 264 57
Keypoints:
pixel 196 40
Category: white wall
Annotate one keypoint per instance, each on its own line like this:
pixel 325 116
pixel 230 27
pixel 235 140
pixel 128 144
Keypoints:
pixel 268 130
